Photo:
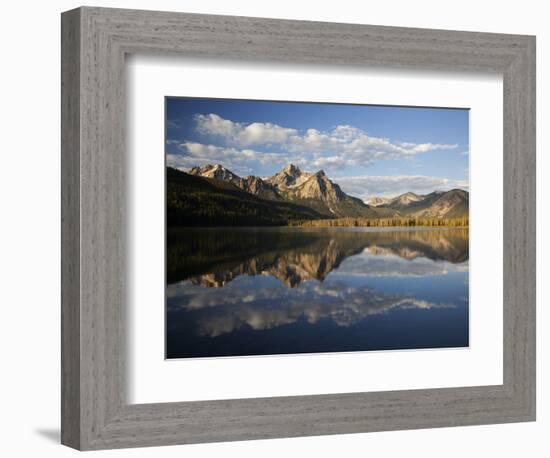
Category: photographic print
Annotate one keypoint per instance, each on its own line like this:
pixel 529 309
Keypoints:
pixel 300 227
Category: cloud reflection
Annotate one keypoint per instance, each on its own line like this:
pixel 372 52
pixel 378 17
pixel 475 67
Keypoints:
pixel 222 311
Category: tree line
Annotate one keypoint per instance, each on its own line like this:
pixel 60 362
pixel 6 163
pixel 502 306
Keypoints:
pixel 383 222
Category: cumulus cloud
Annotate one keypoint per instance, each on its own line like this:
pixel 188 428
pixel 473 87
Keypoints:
pixel 262 147
pixel 342 137
pixel 340 147
pixel 391 186
pixel 240 161
pixel 256 133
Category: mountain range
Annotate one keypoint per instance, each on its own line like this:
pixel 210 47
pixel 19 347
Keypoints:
pixel 312 190
pixel 438 204
pixel 213 194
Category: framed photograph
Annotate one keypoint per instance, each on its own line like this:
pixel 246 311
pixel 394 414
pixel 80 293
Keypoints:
pixel 277 228
pixel 281 241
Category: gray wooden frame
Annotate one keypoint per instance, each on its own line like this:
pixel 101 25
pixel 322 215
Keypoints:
pixel 95 413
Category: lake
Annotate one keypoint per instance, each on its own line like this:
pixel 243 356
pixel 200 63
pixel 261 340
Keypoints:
pixel 266 291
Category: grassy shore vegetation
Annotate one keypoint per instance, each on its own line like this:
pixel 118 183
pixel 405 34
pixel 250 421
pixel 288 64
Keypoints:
pixel 383 222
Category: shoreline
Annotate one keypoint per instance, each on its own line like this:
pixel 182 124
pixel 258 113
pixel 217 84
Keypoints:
pixel 309 228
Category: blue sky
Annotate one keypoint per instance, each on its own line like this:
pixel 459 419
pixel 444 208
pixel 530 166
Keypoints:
pixel 368 150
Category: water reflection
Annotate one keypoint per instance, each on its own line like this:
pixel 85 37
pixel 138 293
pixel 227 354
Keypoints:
pixel 269 291
pixel 213 257
pixel 268 307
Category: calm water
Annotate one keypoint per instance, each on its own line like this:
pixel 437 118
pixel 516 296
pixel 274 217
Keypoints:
pixel 260 291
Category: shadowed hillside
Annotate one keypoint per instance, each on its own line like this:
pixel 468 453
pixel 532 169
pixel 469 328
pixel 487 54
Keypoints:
pixel 199 201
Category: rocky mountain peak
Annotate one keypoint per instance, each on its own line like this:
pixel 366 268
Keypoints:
pixel 377 201
pixel 319 186
pixel 250 184
pixel 292 170
pixel 289 176
pixel 198 170
pixel 217 171
pixel 407 199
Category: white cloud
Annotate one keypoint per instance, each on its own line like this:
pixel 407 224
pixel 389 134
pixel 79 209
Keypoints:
pixel 238 146
pixel 345 145
pixel 391 186
pixel 423 147
pixel 256 133
pixel 248 161
pixel 214 124
pixel 240 161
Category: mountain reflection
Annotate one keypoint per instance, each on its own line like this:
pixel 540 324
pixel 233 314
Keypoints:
pixel 260 291
pixel 213 258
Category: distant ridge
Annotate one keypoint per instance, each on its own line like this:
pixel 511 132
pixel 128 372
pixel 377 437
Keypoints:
pixel 438 204
pixel 377 201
